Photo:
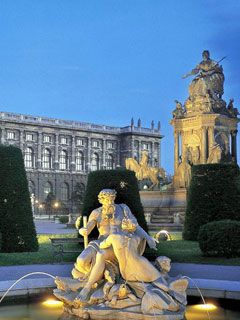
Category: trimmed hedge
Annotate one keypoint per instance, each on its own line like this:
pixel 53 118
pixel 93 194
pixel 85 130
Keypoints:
pixel 124 182
pixel 220 238
pixel 213 195
pixel 16 220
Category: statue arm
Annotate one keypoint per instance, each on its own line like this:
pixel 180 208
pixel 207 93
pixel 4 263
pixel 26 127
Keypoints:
pixel 191 73
pixel 140 232
pixel 92 221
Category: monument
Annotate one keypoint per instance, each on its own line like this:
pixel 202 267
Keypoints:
pixel 144 171
pixel 111 278
pixel 205 127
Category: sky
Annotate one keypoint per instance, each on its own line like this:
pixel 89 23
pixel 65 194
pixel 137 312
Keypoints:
pixel 108 61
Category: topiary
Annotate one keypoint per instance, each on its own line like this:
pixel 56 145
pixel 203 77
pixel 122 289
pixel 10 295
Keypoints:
pixel 220 238
pixel 124 182
pixel 16 220
pixel 213 195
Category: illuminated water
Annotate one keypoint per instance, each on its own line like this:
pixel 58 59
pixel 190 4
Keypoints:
pixel 38 311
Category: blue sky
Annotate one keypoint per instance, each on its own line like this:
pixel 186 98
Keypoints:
pixel 110 60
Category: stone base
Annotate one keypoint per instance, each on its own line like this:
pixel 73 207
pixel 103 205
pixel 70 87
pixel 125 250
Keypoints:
pixel 103 313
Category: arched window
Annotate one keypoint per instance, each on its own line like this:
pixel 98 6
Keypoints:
pixel 95 162
pixel 47 188
pixel 63 160
pixel 64 191
pixel 79 161
pixel 47 159
pixel 109 162
pixel 29 158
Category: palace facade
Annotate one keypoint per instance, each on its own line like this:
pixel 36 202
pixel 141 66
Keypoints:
pixel 59 154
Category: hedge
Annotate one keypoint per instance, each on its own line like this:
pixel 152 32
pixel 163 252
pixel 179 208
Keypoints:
pixel 220 238
pixel 16 220
pixel 213 195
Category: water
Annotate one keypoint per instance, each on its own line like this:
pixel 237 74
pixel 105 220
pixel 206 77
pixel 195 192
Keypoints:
pixel 38 311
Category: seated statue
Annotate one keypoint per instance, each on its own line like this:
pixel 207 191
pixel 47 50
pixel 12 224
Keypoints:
pixel 112 276
pixel 209 79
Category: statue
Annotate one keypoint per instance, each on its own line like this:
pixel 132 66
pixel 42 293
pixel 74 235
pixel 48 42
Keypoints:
pixel 233 112
pixel 209 79
pixel 113 279
pixel 143 171
pixel 179 111
pixel 215 154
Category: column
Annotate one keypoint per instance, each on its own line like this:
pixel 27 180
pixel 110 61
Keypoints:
pixel 3 133
pixel 21 139
pixel 204 146
pixel 176 150
pixel 104 165
pixel 88 164
pixel 39 151
pixel 234 145
pixel 211 138
pixel 73 154
pixel 56 161
pixel 132 147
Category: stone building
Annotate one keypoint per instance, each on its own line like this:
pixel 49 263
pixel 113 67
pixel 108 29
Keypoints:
pixel 59 154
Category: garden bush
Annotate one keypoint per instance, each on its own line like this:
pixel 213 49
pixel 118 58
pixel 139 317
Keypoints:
pixel 63 219
pixel 16 220
pixel 124 182
pixel 213 195
pixel 220 238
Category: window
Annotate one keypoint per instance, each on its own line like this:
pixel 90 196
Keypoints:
pixel 63 160
pixel 11 135
pixel 29 158
pixel 79 142
pixel 95 162
pixel 29 137
pixel 145 146
pixel 95 144
pixel 63 140
pixel 109 162
pixel 79 161
pixel 110 145
pixel 47 159
pixel 64 191
pixel 47 189
pixel 46 138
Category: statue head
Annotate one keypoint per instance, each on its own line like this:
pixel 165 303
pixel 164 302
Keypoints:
pixel 206 55
pixel 164 263
pixel 107 196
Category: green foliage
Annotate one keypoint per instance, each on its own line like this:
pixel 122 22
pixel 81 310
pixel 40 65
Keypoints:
pixel 78 195
pixel 220 238
pixel 213 195
pixel 16 220
pixel 63 219
pixel 124 182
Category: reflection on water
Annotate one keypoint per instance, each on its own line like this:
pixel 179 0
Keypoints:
pixel 52 311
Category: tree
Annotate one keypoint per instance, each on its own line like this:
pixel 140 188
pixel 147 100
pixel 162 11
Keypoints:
pixel 16 220
pixel 78 195
pixel 213 195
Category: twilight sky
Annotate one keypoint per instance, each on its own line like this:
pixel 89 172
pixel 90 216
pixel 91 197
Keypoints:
pixel 106 61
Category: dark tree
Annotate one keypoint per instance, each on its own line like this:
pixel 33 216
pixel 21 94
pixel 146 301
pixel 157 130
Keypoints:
pixel 213 195
pixel 16 221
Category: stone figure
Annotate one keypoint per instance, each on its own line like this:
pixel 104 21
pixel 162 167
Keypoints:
pixel 111 277
pixel 179 111
pixel 143 171
pixel 233 112
pixel 209 79
pixel 215 154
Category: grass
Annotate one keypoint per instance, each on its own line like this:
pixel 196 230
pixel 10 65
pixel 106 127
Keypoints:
pixel 43 256
pixel 177 249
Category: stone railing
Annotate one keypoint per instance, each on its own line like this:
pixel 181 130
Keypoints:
pixel 21 118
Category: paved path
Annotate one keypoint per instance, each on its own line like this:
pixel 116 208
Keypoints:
pixel 50 227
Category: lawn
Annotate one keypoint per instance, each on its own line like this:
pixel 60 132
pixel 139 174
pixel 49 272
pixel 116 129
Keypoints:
pixel 177 249
pixel 43 255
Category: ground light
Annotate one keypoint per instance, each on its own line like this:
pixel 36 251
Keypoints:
pixel 51 303
pixel 207 306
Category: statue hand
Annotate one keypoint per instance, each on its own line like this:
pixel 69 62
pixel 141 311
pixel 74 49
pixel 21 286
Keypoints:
pixel 83 232
pixel 184 76
pixel 152 243
pixel 78 222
